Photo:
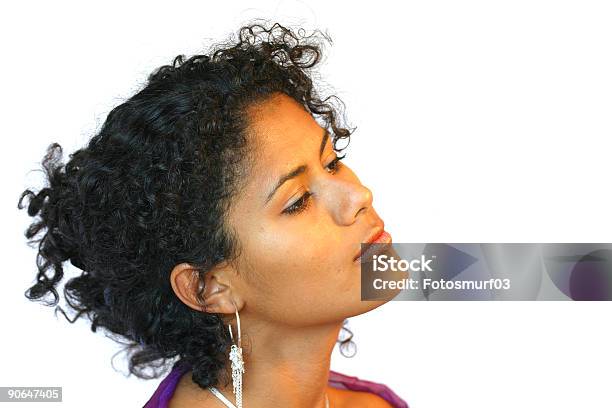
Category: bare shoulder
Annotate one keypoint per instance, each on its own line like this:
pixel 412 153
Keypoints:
pixel 368 399
pixel 356 399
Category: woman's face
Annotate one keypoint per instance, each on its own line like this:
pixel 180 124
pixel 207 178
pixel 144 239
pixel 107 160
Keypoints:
pixel 296 263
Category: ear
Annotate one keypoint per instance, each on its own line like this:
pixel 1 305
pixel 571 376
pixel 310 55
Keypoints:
pixel 217 293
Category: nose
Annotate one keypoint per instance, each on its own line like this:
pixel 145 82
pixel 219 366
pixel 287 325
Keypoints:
pixel 347 199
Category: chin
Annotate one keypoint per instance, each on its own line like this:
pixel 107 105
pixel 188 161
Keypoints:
pixel 364 306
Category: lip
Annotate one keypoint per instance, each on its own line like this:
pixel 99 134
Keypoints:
pixel 379 235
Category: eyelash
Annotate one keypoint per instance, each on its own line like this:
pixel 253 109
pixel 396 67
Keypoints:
pixel 303 202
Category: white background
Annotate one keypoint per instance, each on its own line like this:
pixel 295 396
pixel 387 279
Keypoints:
pixel 478 121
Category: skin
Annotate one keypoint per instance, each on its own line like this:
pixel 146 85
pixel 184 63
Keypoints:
pixel 295 281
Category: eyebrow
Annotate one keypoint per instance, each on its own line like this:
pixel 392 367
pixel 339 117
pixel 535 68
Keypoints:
pixel 298 170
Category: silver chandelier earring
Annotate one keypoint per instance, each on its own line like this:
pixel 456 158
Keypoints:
pixel 235 357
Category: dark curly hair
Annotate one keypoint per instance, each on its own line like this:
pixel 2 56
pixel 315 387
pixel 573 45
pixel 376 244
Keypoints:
pixel 150 189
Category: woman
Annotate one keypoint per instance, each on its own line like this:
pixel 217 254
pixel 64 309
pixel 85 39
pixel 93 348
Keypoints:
pixel 212 218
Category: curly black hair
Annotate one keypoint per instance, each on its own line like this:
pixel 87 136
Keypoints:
pixel 150 189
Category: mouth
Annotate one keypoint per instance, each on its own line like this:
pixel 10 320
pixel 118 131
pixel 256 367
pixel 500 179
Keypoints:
pixel 379 236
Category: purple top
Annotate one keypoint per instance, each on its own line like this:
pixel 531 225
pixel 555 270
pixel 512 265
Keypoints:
pixel 165 390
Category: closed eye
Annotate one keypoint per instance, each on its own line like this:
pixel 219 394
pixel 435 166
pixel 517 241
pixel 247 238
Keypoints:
pixel 304 201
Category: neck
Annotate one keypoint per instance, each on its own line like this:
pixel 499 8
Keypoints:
pixel 285 366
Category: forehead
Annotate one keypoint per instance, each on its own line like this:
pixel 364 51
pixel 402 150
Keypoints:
pixel 283 135
pixel 281 125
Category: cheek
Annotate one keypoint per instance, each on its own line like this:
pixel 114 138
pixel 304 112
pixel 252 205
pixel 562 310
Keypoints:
pixel 300 257
pixel 300 274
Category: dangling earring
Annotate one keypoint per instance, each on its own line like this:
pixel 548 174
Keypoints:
pixel 235 357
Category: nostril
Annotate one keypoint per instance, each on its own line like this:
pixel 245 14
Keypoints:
pixel 362 208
